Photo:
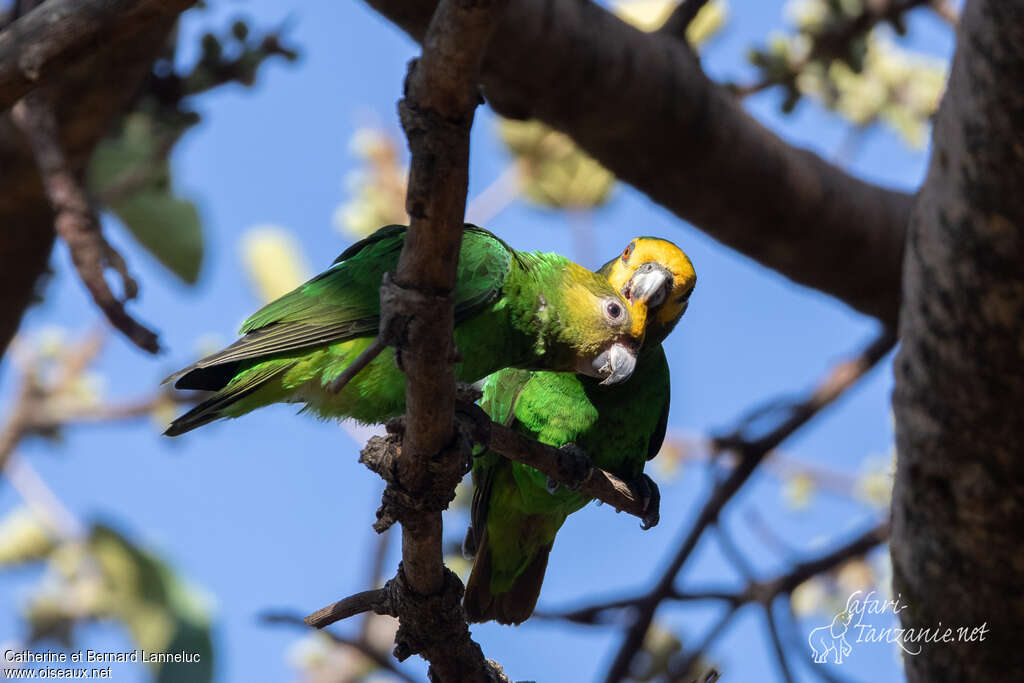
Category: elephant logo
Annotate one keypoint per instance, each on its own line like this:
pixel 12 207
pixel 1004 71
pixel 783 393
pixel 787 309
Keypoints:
pixel 831 639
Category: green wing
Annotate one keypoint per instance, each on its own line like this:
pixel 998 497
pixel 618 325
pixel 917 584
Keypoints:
pixel 343 303
pixel 501 390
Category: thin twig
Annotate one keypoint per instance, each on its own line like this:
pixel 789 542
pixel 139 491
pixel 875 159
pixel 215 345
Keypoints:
pixel 778 649
pixel 76 220
pixel 361 361
pixel 552 462
pixel 838 380
pixel 359 603
pixel 685 663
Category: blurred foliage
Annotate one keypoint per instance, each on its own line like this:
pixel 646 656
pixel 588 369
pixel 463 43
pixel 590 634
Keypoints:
pixel 320 659
pixel 106 577
pixel 894 86
pixel 874 485
pixel 662 656
pixel 860 74
pixel 675 451
pixel 377 188
pixel 826 595
pixel 273 260
pixel 650 15
pixel 23 539
pixel 798 491
pixel 553 171
pixel 660 645
pixel 130 172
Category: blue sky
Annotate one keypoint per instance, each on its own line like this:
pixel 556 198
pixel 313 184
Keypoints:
pixel 238 506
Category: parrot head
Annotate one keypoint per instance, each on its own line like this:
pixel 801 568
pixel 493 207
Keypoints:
pixel 655 273
pixel 594 325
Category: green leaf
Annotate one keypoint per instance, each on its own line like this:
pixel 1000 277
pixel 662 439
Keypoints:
pixel 167 227
pixel 130 173
pixel 161 611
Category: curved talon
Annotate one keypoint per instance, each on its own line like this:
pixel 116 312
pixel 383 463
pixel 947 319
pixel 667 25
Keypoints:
pixel 648 492
pixel 551 485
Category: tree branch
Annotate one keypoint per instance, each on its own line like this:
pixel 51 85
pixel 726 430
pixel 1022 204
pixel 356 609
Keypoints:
pixel 554 463
pixel 92 79
pixel 417 319
pixel 76 219
pixel 752 453
pixel 691 147
pixel 367 601
pixel 681 18
pixel 40 46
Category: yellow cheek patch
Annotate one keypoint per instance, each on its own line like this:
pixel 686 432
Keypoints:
pixel 586 306
pixel 638 318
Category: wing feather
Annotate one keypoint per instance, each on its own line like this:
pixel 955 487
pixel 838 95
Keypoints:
pixel 343 303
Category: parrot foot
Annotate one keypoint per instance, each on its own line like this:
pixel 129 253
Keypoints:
pixel 575 462
pixel 647 491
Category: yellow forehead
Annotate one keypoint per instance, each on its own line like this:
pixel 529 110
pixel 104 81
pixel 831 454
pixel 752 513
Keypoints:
pixel 647 249
pixel 651 249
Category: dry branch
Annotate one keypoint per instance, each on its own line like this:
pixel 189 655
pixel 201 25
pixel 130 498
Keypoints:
pixel 367 601
pixel 552 462
pixel 42 405
pixel 681 18
pixel 752 453
pixel 417 318
pixel 76 220
pixel 690 146
pixel 92 54
pixel 40 46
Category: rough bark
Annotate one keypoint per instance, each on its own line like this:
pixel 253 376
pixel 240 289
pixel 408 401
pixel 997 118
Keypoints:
pixel 417 316
pixel 958 502
pixel 643 107
pixel 90 92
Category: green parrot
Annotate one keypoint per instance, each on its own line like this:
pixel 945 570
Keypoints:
pixel 516 512
pixel 512 309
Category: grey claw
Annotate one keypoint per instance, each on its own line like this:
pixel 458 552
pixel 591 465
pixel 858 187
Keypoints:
pixel 551 485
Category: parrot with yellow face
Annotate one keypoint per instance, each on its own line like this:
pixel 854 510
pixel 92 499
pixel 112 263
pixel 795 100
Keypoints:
pixel 512 309
pixel 516 511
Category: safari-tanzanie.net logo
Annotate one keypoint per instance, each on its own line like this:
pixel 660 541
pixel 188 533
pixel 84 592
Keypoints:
pixel 865 620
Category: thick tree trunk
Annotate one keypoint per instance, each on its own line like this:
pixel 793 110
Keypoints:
pixel 958 503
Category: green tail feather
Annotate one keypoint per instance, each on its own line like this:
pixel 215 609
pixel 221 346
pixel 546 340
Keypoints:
pixel 511 607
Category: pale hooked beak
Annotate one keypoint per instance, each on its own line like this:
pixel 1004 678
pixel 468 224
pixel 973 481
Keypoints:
pixel 615 364
pixel 649 285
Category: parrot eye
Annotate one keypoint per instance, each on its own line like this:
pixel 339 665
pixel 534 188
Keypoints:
pixel 614 311
pixel 627 252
